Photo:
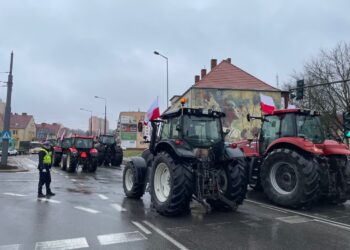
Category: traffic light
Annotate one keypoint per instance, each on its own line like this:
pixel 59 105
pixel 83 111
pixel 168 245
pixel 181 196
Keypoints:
pixel 300 90
pixel 346 124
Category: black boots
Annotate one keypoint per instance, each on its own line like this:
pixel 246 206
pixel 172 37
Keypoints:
pixel 49 193
pixel 41 195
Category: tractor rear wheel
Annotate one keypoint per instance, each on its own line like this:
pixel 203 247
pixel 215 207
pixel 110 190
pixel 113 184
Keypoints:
pixel 233 185
pixel 92 165
pixel 134 180
pixel 71 163
pixel 289 179
pixel 63 163
pixel 117 158
pixel 171 185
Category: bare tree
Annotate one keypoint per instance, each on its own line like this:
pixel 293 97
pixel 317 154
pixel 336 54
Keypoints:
pixel 331 100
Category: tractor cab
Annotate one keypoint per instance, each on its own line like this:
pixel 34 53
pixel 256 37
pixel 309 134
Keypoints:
pixel 295 123
pixel 106 139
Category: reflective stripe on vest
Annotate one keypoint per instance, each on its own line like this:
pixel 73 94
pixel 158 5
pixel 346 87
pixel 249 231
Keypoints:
pixel 47 157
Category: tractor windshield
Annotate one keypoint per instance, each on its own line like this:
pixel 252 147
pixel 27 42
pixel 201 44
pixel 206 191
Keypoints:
pixel 202 131
pixel 107 139
pixel 66 143
pixel 310 128
pixel 84 143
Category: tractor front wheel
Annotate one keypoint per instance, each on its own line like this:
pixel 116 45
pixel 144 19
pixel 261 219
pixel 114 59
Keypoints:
pixel 171 185
pixel 134 180
pixel 289 179
pixel 232 181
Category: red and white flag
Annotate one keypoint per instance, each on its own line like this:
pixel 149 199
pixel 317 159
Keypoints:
pixel 153 112
pixel 62 136
pixel 266 104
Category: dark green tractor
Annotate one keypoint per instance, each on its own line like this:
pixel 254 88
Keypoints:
pixel 188 159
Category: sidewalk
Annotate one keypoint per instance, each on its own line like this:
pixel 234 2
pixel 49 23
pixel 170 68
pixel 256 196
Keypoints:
pixel 13 165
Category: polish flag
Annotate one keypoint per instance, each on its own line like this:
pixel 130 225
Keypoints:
pixel 62 136
pixel 266 104
pixel 153 112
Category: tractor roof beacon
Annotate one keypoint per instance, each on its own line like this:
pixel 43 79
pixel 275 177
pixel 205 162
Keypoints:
pixel 188 159
pixel 294 163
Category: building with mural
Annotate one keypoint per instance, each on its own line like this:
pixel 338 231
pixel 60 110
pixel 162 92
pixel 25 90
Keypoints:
pixel 235 92
pixel 129 133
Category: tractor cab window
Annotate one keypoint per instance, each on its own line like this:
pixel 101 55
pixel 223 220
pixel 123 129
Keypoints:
pixel 66 143
pixel 270 131
pixel 288 128
pixel 309 127
pixel 202 131
pixel 107 139
pixel 165 130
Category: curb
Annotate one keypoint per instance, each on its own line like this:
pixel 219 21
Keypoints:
pixel 13 167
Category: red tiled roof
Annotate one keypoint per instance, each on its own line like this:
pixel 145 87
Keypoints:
pixel 19 121
pixel 228 76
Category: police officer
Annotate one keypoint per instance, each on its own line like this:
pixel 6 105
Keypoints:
pixel 45 160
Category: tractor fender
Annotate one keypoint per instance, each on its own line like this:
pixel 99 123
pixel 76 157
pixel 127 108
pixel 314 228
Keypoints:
pixel 234 153
pixel 300 143
pixel 140 166
pixel 171 148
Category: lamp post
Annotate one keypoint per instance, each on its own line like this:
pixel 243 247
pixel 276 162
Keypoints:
pixel 90 118
pixel 99 97
pixel 167 76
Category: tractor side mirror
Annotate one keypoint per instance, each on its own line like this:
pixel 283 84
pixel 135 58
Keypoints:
pixel 248 117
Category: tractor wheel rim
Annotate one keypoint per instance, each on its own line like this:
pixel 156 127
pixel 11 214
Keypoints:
pixel 129 179
pixel 162 182
pixel 284 178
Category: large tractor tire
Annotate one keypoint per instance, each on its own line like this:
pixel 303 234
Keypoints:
pixel 135 178
pixel 171 186
pixel 63 163
pixel 232 184
pixel 92 165
pixel 289 179
pixel 56 159
pixel 118 157
pixel 71 163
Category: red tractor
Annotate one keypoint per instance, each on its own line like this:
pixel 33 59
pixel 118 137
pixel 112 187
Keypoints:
pixel 294 163
pixel 80 151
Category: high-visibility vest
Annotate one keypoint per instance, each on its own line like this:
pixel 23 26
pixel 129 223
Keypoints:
pixel 47 157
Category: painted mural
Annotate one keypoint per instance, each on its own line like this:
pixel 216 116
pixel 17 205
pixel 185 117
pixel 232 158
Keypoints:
pixel 236 105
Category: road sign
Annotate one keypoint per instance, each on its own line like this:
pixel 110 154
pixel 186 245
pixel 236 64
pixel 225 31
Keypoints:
pixel 6 135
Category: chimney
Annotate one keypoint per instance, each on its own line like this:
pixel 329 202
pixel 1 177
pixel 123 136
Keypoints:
pixel 196 78
pixel 228 60
pixel 213 63
pixel 203 73
pixel 24 113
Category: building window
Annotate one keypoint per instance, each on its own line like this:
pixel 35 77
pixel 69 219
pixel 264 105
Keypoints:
pixel 14 132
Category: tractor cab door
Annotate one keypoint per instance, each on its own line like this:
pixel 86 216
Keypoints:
pixel 270 131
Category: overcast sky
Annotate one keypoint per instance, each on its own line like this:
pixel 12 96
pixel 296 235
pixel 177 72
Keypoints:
pixel 68 51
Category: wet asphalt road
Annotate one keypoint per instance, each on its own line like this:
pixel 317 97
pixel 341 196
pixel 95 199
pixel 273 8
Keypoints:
pixel 91 212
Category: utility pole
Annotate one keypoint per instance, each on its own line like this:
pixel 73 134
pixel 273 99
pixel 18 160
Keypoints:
pixel 5 143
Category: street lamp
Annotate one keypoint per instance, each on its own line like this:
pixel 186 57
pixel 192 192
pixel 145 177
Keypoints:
pixel 90 118
pixel 167 77
pixel 98 97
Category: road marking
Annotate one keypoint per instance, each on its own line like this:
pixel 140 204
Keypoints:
pixel 274 208
pixel 109 239
pixel 166 236
pixel 90 210
pixel 141 227
pixel 62 244
pixel 294 219
pixel 10 247
pixel 66 176
pixel 329 222
pixel 118 207
pixel 13 194
pixel 49 200
pixel 73 180
pixel 103 197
